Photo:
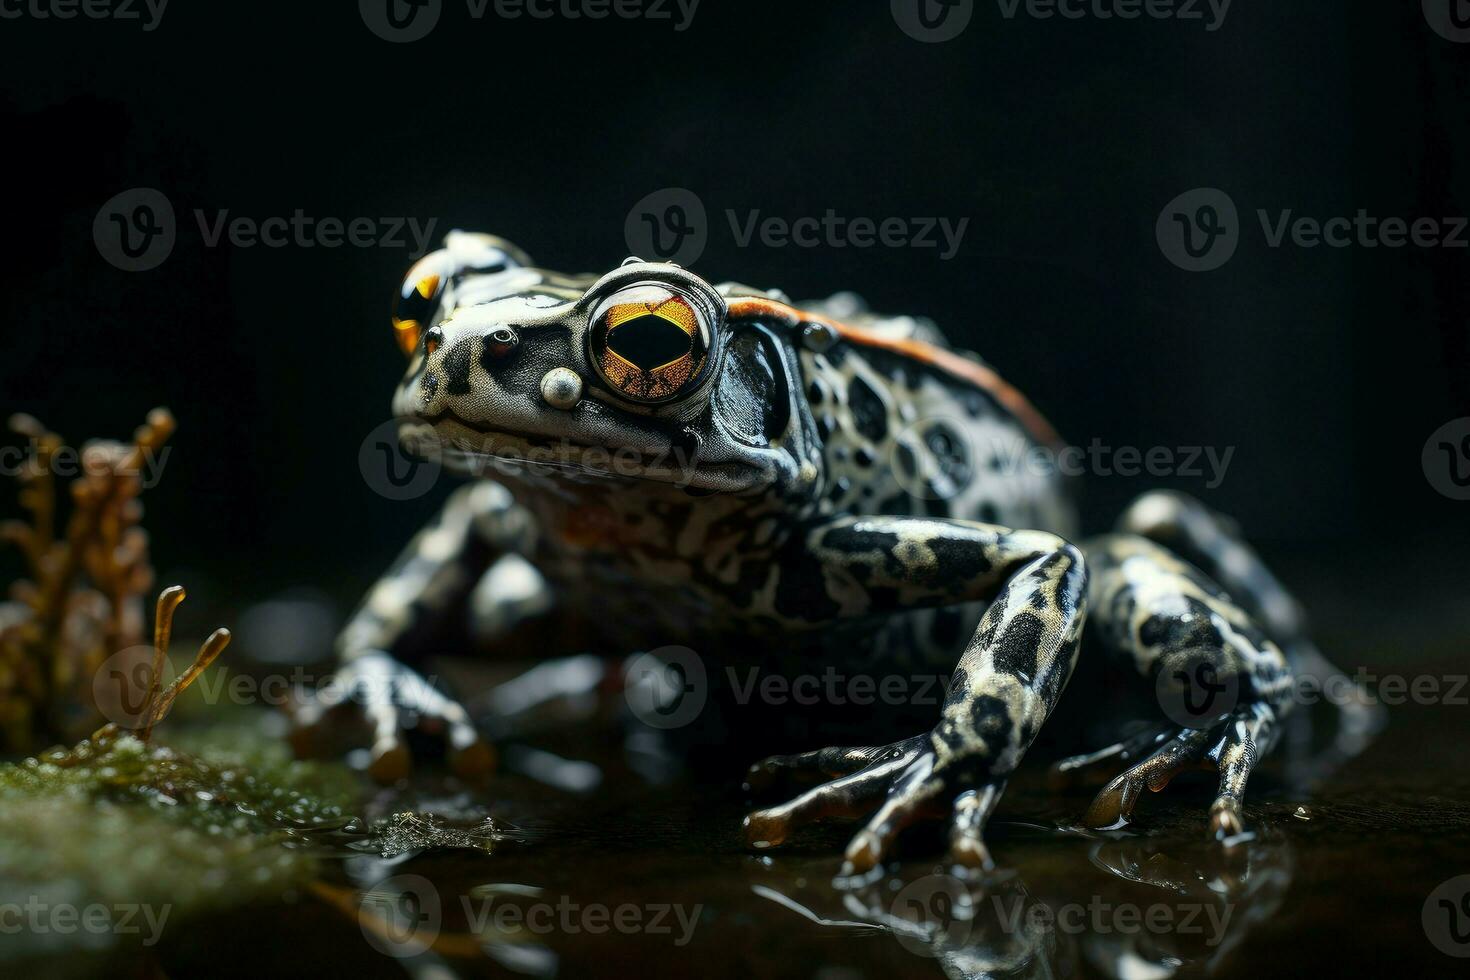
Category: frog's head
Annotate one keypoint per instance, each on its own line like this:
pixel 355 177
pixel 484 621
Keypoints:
pixel 638 375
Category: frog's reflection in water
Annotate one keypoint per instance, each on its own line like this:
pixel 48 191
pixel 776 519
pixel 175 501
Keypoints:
pixel 1126 907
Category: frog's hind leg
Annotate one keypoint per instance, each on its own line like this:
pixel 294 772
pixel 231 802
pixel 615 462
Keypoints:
pixel 1214 544
pixel 1220 680
pixel 1006 684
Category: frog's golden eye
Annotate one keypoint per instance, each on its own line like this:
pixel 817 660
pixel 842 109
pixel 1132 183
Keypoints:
pixel 417 298
pixel 650 343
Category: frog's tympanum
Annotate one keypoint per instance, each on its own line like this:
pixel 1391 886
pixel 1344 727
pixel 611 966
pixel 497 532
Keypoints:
pixel 713 467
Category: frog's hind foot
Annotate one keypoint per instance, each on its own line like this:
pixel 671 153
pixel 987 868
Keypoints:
pixel 858 776
pixel 1230 746
pixel 393 699
pixel 904 777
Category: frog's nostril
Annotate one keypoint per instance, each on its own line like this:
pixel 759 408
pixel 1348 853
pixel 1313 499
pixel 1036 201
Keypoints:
pixel 433 339
pixel 501 341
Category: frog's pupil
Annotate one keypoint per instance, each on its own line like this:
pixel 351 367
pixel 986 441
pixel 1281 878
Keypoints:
pixel 648 341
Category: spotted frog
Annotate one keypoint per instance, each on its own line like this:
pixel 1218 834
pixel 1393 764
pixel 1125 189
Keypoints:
pixel 668 464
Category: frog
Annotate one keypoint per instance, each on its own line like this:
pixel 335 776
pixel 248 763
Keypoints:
pixel 665 462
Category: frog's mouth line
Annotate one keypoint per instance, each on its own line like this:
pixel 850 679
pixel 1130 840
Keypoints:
pixel 675 465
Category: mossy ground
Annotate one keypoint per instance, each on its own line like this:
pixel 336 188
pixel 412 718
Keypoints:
pixel 118 821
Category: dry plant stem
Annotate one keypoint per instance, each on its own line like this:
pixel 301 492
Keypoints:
pixel 163 631
pixel 208 652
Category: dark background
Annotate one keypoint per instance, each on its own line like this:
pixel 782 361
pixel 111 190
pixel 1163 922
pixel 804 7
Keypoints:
pixel 1326 369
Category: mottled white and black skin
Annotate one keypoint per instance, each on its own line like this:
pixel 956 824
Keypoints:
pixel 833 492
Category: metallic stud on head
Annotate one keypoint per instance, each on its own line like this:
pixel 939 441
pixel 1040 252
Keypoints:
pixel 562 388
pixel 818 337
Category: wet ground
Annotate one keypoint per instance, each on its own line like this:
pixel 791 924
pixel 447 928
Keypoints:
pixel 627 867
pixel 632 877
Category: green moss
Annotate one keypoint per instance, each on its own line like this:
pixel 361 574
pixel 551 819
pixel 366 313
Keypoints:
pixel 124 822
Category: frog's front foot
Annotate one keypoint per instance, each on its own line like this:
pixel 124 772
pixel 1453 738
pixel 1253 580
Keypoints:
pixel 393 699
pixel 910 779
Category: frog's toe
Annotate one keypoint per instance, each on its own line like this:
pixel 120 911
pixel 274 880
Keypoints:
pixel 972 810
pixel 1114 804
pixel 847 796
pixel 823 764
pixel 916 793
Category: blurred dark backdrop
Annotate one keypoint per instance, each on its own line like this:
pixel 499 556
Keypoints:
pixel 1326 368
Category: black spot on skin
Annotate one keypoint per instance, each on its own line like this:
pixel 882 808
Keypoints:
pixel 991 720
pixel 863 457
pixel 839 453
pixel 457 369
pixel 842 485
pixel 958 560
pixel 868 412
pixel 1015 649
pixel 854 541
pixel 430 385
pixel 935 506
pixel 816 392
pixel 1177 632
pixel 989 514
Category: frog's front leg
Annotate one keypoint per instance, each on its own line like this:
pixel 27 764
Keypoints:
pixel 1006 684
pixel 478 537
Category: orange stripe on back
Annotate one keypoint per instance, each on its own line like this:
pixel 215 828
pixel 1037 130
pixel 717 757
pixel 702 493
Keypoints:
pixel 947 361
